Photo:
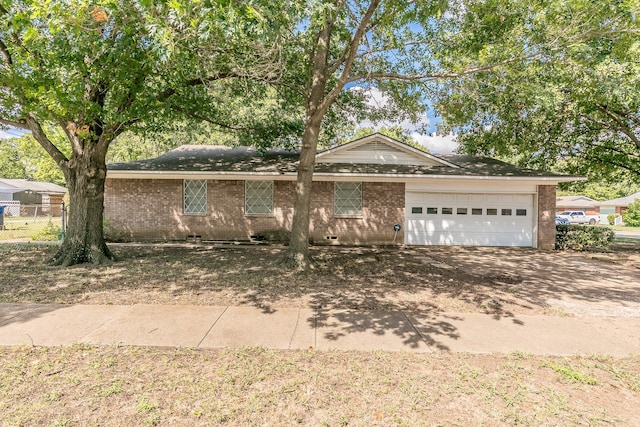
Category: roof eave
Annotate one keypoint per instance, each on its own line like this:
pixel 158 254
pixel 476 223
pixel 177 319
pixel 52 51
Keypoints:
pixel 124 174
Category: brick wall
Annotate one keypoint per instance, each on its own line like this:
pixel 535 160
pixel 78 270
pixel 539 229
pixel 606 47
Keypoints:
pixel 382 207
pixel 546 217
pixel 148 209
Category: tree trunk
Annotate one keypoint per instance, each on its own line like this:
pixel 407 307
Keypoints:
pixel 298 253
pixel 84 240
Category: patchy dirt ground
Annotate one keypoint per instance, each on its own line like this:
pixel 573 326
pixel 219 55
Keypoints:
pixel 495 280
pixel 85 385
pixel 132 386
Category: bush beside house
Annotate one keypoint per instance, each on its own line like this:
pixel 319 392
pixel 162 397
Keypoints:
pixel 583 238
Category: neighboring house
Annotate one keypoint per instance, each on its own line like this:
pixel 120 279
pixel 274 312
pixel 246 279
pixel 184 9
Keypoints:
pixel 24 192
pixel 577 203
pixel 617 206
pixel 361 192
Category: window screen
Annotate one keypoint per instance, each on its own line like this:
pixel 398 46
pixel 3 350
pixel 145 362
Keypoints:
pixel 258 197
pixel 347 198
pixel 195 196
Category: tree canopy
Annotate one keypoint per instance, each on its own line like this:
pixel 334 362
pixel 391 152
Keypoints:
pixel 575 107
pixel 95 69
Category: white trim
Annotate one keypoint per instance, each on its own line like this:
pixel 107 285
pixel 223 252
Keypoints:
pixel 389 141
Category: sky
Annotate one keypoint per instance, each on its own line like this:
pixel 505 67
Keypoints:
pixel 436 144
pixel 10 133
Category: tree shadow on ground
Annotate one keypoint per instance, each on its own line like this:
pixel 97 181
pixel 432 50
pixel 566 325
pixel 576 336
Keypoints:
pixel 503 282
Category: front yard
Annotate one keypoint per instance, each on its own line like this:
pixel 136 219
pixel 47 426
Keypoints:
pixel 503 280
pixel 86 385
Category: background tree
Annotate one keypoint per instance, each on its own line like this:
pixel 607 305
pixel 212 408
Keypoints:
pixel 631 216
pixel 575 108
pixel 24 158
pixel 96 69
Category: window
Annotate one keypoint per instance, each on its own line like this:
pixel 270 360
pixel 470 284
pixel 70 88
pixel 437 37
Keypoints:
pixel 416 210
pixel 506 212
pixel 447 211
pixel 195 196
pixel 492 211
pixel 521 212
pixel 347 198
pixel 461 211
pixel 432 211
pixel 258 197
pixel 476 211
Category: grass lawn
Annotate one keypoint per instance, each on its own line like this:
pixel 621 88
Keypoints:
pixel 624 228
pixel 123 386
pixel 26 227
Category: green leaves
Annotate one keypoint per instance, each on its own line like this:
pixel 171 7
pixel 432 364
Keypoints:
pixel 574 105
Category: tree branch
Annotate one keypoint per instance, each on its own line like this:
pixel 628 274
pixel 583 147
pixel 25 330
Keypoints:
pixel 168 93
pixel 445 75
pixel 349 54
pixel 22 124
pixel 39 135
pixel 6 56
pixel 622 125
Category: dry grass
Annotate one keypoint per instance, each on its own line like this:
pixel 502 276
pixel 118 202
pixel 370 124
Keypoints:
pixel 123 386
pixel 510 281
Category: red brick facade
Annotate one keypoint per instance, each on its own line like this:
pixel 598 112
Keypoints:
pixel 546 217
pixel 152 209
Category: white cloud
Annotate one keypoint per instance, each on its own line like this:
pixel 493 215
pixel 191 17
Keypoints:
pixel 437 144
pixel 377 99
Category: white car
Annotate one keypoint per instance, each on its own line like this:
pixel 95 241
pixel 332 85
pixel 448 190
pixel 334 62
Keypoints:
pixel 579 217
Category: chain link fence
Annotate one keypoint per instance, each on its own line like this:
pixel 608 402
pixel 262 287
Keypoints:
pixel 22 224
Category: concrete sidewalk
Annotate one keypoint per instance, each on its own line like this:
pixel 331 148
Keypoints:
pixel 286 328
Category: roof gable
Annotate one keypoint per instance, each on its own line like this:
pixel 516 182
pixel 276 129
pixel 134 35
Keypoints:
pixel 379 149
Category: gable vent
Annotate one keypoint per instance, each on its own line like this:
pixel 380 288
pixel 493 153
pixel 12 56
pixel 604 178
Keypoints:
pixel 375 152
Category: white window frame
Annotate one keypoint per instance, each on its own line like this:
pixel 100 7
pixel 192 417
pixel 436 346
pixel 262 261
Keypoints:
pixel 262 200
pixel 341 204
pixel 192 189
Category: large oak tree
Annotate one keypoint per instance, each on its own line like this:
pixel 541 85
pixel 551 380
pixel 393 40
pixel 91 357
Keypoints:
pixel 96 69
pixel 407 50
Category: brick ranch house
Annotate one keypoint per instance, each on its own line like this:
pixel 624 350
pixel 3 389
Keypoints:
pixel 362 192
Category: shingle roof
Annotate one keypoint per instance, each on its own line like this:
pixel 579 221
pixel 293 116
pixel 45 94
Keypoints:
pixel 212 158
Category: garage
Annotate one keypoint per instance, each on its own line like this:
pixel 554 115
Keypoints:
pixel 469 219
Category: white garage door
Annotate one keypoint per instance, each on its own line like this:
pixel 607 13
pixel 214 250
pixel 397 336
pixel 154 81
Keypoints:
pixel 469 219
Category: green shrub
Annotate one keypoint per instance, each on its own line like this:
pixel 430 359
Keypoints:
pixel 611 218
pixel 631 216
pixel 583 237
pixel 50 232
